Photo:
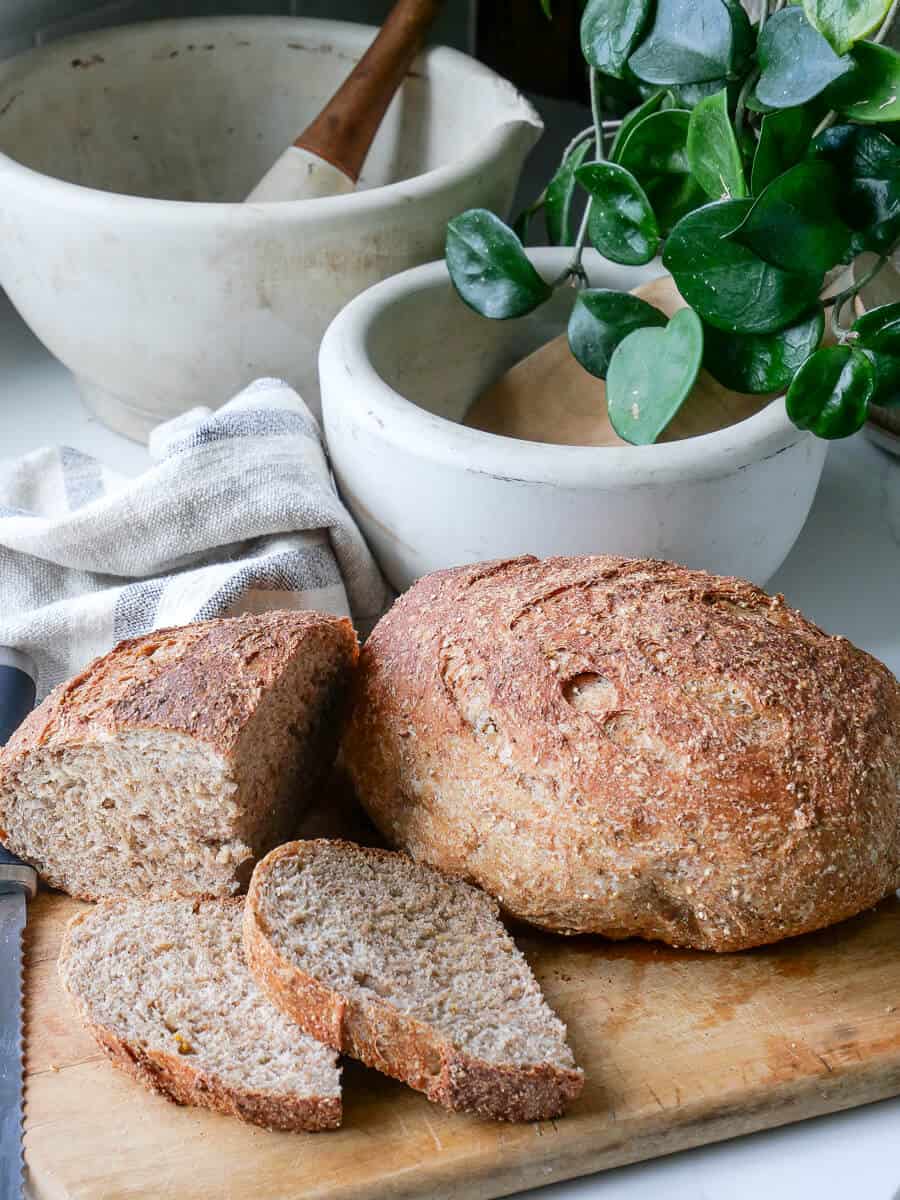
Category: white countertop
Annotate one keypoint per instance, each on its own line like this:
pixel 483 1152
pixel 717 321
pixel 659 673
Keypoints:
pixel 844 573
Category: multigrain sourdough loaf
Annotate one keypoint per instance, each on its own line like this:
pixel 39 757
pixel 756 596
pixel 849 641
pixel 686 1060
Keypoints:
pixel 164 988
pixel 631 748
pixel 174 762
pixel 410 971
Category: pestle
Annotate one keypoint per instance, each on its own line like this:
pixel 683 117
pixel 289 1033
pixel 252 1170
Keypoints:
pixel 327 157
pixel 549 397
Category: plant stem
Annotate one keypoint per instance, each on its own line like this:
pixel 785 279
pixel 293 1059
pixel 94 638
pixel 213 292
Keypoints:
pixel 581 136
pixel 886 23
pixel 841 332
pixel 595 113
pixel 574 271
pixel 740 107
pixel 827 121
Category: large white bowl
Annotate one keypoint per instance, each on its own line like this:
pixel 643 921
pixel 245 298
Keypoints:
pixel 123 154
pixel 400 366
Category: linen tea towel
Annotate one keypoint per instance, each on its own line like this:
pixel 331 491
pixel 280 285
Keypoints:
pixel 238 513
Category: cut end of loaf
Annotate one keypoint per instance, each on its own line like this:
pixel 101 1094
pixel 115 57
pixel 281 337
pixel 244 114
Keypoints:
pixel 410 971
pixel 164 988
pixel 173 763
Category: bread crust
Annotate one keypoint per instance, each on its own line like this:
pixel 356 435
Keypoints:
pixel 204 681
pixel 398 1045
pixel 630 748
pixel 174 1077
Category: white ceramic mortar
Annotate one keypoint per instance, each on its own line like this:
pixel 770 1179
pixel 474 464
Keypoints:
pixel 123 154
pixel 401 365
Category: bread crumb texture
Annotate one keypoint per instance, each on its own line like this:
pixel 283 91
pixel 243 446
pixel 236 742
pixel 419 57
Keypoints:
pixel 165 989
pixel 628 747
pixel 175 761
pixel 418 972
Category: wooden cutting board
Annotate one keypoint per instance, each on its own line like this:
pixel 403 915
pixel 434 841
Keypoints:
pixel 679 1049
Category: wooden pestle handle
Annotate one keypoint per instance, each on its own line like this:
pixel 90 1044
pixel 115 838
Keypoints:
pixel 345 128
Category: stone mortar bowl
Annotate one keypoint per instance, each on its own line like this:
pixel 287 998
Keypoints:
pixel 125 155
pixel 400 367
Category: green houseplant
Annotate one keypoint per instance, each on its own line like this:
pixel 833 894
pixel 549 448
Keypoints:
pixel 762 158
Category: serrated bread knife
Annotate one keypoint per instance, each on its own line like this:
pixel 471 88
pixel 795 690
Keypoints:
pixel 18 884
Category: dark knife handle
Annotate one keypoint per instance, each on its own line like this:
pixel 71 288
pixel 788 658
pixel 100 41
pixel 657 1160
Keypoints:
pixel 17 693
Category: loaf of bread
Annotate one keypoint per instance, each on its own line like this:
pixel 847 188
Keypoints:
pixel 174 762
pixel 630 748
pixel 164 988
pixel 411 972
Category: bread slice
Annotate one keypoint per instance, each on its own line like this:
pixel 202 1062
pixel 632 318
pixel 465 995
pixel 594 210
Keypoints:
pixel 411 972
pixel 164 988
pixel 174 762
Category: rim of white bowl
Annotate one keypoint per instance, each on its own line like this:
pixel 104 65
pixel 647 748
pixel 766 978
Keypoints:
pixel 350 205
pixel 391 417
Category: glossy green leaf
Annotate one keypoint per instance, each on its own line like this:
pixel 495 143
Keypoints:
pixel 754 104
pixel 673 197
pixel 731 287
pixel 657 145
pixel 878 336
pixel 879 328
pixel 689 95
pixel 546 9
pixel 712 149
pixel 489 268
pixel 601 319
pixel 844 22
pixel 868 165
pixel 610 29
pixel 783 141
pixel 887 379
pixel 621 223
pixel 870 93
pixel 521 224
pixel 690 41
pixel 558 201
pixel 794 224
pixel 830 394
pixel 762 362
pixel 630 120
pixel 743 40
pixel 655 152
pixel 650 376
pixel 796 62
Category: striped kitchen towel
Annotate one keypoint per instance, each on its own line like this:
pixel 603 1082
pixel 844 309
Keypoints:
pixel 237 513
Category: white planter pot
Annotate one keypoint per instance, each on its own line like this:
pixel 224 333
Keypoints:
pixel 158 304
pixel 400 366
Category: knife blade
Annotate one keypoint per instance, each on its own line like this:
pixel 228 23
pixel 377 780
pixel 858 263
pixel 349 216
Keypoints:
pixel 18 884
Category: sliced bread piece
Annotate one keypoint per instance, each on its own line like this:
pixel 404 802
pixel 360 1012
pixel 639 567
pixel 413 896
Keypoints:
pixel 411 972
pixel 175 761
pixel 164 988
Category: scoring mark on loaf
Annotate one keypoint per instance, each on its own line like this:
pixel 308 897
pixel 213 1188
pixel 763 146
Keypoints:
pixel 597 697
pixel 763 610
pixel 661 684
pixel 590 692
pixel 628 731
pixel 562 685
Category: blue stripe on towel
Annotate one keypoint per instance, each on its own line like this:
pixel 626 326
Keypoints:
pixel 311 569
pixel 82 477
pixel 257 422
